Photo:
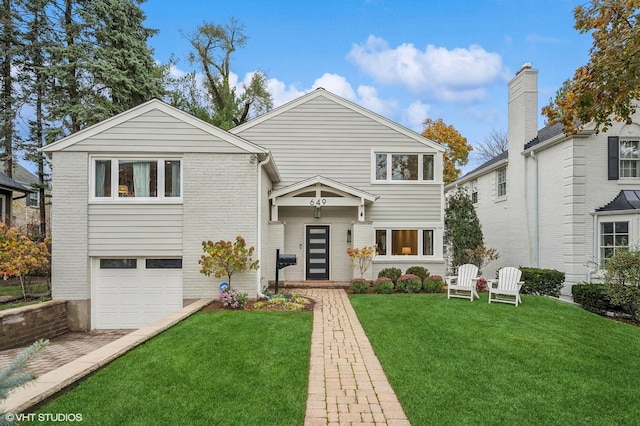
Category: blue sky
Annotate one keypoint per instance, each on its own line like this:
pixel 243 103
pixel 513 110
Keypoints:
pixel 406 60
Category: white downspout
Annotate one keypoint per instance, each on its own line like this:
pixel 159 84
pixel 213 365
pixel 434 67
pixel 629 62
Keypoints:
pixel 536 220
pixel 259 225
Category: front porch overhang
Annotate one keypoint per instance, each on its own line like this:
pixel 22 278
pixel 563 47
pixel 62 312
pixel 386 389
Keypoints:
pixel 319 192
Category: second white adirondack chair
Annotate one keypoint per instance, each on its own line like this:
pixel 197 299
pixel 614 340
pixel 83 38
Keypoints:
pixel 464 284
pixel 508 284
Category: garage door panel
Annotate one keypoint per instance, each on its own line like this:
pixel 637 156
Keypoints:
pixel 132 298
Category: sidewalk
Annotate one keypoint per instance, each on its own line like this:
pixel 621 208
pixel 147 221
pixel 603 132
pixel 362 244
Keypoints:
pixel 346 382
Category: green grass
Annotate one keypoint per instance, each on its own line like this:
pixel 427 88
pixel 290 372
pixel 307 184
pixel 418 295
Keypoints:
pixel 12 287
pixel 545 362
pixel 216 368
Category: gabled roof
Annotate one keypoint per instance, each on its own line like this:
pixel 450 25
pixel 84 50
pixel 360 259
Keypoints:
pixel 154 104
pixel 7 183
pixel 627 199
pixel 324 181
pixel 545 134
pixel 320 92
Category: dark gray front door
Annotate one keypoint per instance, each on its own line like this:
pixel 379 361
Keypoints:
pixel 317 265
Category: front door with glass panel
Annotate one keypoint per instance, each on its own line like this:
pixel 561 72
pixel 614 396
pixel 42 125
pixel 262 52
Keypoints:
pixel 317 264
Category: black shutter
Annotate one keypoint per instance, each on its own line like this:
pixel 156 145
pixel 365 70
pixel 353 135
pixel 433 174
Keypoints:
pixel 613 157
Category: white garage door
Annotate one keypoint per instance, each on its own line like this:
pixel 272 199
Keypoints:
pixel 133 292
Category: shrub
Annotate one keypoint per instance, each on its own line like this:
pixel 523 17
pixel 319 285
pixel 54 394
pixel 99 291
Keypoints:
pixel 393 273
pixel 481 285
pixel 409 283
pixel 433 284
pixel 420 271
pixel 623 280
pixel 359 286
pixel 232 299
pixel 383 285
pixel 539 281
pixel 225 258
pixel 592 297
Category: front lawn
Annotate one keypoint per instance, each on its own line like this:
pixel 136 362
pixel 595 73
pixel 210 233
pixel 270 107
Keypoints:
pixel 216 367
pixel 544 362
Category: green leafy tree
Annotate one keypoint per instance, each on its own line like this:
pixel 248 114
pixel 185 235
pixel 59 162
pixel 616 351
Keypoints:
pixel 225 258
pixel 457 148
pixel 9 36
pixel 609 84
pixel 213 46
pixel 623 279
pixel 463 232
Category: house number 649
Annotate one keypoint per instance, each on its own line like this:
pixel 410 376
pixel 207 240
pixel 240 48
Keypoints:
pixel 318 202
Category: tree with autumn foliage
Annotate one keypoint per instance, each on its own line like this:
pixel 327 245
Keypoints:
pixel 20 256
pixel 225 258
pixel 607 87
pixel 456 147
pixel 362 258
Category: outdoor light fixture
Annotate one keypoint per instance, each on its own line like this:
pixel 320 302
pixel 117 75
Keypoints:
pixel 317 213
pixel 348 235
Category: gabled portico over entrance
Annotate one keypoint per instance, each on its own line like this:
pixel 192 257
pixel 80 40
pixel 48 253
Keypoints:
pixel 317 219
pixel 318 192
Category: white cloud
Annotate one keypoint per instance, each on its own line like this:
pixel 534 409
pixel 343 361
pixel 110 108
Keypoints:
pixel 336 84
pixel 281 93
pixel 414 116
pixel 457 75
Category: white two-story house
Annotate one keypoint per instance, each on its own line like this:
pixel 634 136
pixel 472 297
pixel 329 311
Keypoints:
pixel 557 201
pixel 139 192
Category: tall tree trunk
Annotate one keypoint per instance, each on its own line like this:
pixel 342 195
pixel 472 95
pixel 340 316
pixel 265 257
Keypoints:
pixel 7 86
pixel 74 97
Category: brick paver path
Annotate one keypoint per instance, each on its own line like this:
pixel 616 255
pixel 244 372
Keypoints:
pixel 347 385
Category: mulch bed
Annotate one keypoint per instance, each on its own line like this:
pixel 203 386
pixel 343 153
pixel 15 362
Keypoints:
pixel 249 306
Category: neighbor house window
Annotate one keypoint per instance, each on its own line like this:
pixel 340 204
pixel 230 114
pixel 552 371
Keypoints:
pixel 629 159
pixel 397 167
pixel 32 199
pixel 404 242
pixel 474 191
pixel 613 236
pixel 137 178
pixel 501 182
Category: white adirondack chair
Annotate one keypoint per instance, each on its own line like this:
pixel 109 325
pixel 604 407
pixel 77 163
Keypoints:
pixel 507 287
pixel 463 285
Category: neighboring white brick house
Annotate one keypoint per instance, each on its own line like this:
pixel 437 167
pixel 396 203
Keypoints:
pixel 549 201
pixel 143 189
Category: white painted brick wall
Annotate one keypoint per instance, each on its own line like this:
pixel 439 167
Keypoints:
pixel 70 263
pixel 220 197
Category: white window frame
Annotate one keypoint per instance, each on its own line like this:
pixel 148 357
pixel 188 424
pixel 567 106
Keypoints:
pixel 474 190
pixel 420 231
pixel 389 178
pixel 635 158
pixel 500 196
pixel 115 198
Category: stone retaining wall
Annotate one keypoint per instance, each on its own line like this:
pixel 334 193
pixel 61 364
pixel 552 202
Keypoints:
pixel 23 326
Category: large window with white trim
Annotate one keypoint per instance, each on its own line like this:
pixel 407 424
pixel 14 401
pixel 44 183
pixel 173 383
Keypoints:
pixel 137 178
pixel 404 167
pixel 404 242
pixel 613 236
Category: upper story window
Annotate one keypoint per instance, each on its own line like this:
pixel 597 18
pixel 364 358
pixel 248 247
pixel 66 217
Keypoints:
pixel 33 199
pixel 629 159
pixel 474 190
pixel 392 167
pixel 136 178
pixel 501 182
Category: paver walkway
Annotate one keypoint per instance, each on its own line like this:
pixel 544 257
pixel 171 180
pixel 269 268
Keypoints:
pixel 347 385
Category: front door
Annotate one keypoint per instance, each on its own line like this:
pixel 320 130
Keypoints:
pixel 317 264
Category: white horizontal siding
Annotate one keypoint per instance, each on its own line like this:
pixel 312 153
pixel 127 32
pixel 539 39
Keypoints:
pixel 145 230
pixel 324 138
pixel 154 131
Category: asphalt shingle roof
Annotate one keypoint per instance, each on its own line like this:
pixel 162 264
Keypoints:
pixel 627 199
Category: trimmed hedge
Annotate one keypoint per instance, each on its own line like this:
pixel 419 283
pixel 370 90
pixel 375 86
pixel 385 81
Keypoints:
pixel 359 286
pixel 544 282
pixel 433 284
pixel 393 273
pixel 420 271
pixel 383 285
pixel 592 297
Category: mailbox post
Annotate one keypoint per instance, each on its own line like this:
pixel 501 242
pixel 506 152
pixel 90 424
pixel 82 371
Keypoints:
pixel 282 261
